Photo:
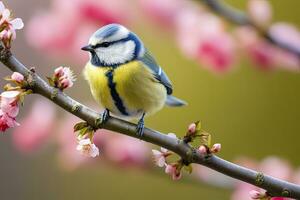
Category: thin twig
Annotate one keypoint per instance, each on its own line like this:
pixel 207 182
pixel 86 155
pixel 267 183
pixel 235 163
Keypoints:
pixel 240 18
pixel 274 186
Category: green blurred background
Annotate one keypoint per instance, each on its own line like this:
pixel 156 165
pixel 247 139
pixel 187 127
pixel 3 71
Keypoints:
pixel 252 113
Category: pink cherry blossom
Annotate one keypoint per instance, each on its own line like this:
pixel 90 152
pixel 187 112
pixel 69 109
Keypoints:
pixel 192 128
pixel 58 72
pixel 9 103
pixel 217 57
pixel 6 121
pixel 68 78
pixel 65 77
pixel 260 11
pixel 87 148
pixel 265 55
pixel 126 151
pixel 9 109
pixel 16 76
pixel 171 169
pixel 255 194
pixel 160 156
pixel 37 127
pixel 216 148
pixel 200 34
pixel 163 12
pixel 8 26
pixel 202 150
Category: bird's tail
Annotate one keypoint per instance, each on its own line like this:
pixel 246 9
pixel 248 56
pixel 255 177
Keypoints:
pixel 174 102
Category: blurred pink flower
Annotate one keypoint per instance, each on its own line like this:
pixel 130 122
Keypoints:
pixel 218 58
pixel 68 156
pixel 87 148
pixel 200 34
pixel 163 12
pixel 37 127
pixel 263 54
pixel 276 167
pixel 272 166
pixel 16 76
pixel 61 26
pixel 260 11
pixel 171 169
pixel 55 32
pixel 125 150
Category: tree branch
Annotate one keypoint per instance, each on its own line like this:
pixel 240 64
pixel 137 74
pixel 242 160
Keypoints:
pixel 240 18
pixel 274 186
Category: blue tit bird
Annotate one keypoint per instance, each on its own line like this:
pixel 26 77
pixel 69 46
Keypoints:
pixel 124 77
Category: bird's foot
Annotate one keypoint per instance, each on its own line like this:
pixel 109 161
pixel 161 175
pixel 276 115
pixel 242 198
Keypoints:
pixel 140 127
pixel 105 116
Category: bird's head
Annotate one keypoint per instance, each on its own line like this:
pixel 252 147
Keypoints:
pixel 113 45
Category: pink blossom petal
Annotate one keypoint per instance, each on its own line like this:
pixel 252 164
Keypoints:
pixel 127 151
pixel 276 167
pixel 17 77
pixel 255 194
pixel 260 11
pixel 37 127
pixel 2 7
pixel 10 95
pixel 161 161
pixel 156 152
pixel 164 150
pixel 17 23
pixel 5 14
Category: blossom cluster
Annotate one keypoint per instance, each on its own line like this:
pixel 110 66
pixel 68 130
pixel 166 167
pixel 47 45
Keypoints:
pixel 63 78
pixel 9 103
pixel 204 37
pixel 174 168
pixel 200 34
pixel 8 26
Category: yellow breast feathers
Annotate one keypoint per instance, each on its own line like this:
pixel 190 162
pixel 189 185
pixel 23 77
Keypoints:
pixel 127 90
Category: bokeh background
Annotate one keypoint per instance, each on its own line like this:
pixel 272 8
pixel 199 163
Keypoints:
pixel 253 113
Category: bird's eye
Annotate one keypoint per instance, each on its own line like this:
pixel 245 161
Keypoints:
pixel 105 44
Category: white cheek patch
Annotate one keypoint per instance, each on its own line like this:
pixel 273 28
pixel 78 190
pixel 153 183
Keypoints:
pixel 117 53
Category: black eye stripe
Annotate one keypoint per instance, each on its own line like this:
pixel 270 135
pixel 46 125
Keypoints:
pixel 104 44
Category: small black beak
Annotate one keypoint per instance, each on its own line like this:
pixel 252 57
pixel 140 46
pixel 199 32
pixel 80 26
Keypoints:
pixel 87 48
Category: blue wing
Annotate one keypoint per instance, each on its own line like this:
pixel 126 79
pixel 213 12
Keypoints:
pixel 159 74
